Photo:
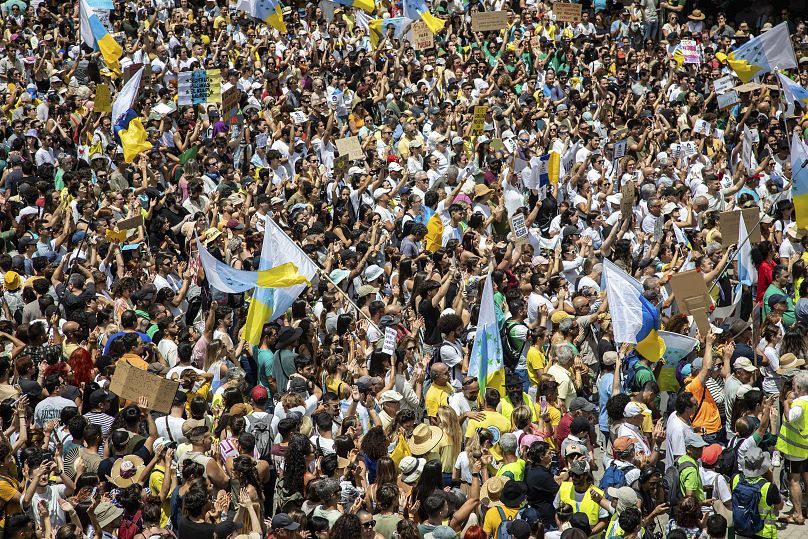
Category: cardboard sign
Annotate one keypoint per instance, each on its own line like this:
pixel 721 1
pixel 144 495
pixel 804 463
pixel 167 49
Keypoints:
pixel 692 297
pixel 230 100
pixel 422 37
pixel 103 98
pixel 620 149
pixel 131 383
pixel 629 192
pixel 389 346
pixel 478 122
pixel 727 99
pixel 519 228
pixel 497 144
pixel 133 222
pixel 730 220
pixel 490 21
pixel 702 126
pixel 690 51
pixel 350 146
pixel 724 84
pixel 567 12
pixel 340 166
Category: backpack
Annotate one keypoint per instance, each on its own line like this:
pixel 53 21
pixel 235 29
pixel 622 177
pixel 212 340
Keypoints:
pixel 510 353
pixel 745 512
pixel 261 429
pixel 629 374
pixel 130 528
pixel 673 484
pixel 727 463
pixel 286 501
pixel 502 530
pixel 614 476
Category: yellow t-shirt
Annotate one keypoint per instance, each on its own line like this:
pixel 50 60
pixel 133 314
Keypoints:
pixel 436 397
pixel 492 419
pixel 156 484
pixel 493 520
pixel 535 362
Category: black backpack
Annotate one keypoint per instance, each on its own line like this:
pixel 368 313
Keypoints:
pixel 673 483
pixel 510 352
pixel 727 463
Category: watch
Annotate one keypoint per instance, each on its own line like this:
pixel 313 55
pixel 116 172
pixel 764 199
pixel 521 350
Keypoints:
pixel 478 475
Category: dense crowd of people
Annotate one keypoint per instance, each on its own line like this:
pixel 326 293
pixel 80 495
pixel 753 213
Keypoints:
pixel 425 178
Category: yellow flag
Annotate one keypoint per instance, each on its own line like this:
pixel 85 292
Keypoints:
pixel 134 140
pixel 402 450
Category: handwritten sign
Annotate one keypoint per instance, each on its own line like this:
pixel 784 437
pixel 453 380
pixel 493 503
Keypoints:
pixel 340 166
pixel 422 37
pixel 200 86
pixel 519 228
pixel 724 84
pixel 389 346
pixel 103 98
pixel 730 222
pixel 690 51
pixel 299 117
pixel 350 146
pixel 567 12
pixel 131 383
pixel 478 122
pixel 489 21
pixel 727 99
pixel 620 148
pixel 230 99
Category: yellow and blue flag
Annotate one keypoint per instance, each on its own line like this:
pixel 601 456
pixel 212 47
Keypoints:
pixel 799 180
pixel 486 362
pixel 96 35
pixel 634 319
pixel 549 168
pixel 417 9
pixel 763 54
pixel 367 5
pixel 271 301
pixel 268 11
pixel 134 140
pixel 792 92
pixel 379 27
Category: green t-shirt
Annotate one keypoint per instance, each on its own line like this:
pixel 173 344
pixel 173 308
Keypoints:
pixel 263 360
pixel 689 478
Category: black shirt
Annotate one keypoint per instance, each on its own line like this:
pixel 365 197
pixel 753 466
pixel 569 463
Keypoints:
pixel 541 491
pixel 189 529
pixel 431 314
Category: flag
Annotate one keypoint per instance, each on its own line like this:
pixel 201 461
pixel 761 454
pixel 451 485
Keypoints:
pixel 634 319
pixel 676 347
pixel 417 9
pixel 99 35
pixel 234 281
pixel 134 140
pixel 268 11
pixel 792 92
pixel 763 54
pixel 746 269
pixel 379 27
pixel 402 450
pixel 367 5
pixel 799 180
pixel 269 303
pixel 122 106
pixel 486 354
pixel 549 168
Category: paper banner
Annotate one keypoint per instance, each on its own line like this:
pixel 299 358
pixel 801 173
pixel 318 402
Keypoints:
pixel 199 87
pixel 103 99
pixel 350 146
pixel 567 12
pixel 478 122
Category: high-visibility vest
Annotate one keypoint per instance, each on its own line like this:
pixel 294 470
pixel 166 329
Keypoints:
pixel 508 407
pixel 590 507
pixel 766 511
pixel 793 438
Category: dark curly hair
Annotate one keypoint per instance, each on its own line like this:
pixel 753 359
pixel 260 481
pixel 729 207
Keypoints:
pixel 348 526
pixel 296 452
pixel 374 444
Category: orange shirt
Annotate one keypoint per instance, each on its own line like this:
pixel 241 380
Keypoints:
pixel 707 416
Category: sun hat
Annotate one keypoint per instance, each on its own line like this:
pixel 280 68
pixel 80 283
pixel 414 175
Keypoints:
pixel 338 275
pixel 373 272
pixel 697 15
pixel 492 488
pixel 391 395
pixel 441 532
pixel 411 468
pixel 789 361
pixel 12 280
pixel 625 496
pixel 424 439
pixel 634 409
pixel 125 471
pixel 756 462
pixel 106 513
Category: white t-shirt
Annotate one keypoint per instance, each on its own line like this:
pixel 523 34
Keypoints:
pixel 169 350
pixel 51 497
pixel 675 430
pixel 174 424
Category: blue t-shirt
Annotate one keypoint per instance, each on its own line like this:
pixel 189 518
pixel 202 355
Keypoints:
pixel 604 393
pixel 143 337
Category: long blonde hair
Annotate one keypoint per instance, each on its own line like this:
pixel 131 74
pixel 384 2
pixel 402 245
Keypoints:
pixel 450 423
pixel 212 353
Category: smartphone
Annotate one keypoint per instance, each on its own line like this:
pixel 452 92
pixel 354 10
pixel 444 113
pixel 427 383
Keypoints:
pixel 543 404
pixel 93 493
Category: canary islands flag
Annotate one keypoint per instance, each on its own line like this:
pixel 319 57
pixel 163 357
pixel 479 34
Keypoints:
pixel 133 140
pixel 549 168
pixel 417 9
pixel 763 54
pixel 486 362
pixel 270 12
pixel 792 92
pixel 271 301
pixel 799 180
pixel 92 28
pixel 380 27
pixel 367 5
pixel 634 319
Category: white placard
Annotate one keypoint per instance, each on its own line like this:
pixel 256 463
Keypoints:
pixel 299 117
pixel 389 346
pixel 724 84
pixel 702 127
pixel 620 148
pixel 727 99
pixel 261 140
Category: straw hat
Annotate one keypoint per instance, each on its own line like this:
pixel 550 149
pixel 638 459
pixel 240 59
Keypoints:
pixel 125 471
pixel 424 439
pixel 696 15
pixel 789 361
pixel 492 489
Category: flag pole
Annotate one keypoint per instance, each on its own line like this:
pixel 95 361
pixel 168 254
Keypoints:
pixel 323 274
pixel 785 110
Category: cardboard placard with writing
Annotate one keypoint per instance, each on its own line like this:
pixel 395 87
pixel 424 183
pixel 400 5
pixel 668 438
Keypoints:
pixel 620 148
pixel 341 166
pixel 389 346
pixel 692 297
pixel 489 21
pixel 351 147
pixel 519 228
pixel 567 12
pixel 132 222
pixel 629 192
pixel 724 84
pixel 730 220
pixel 103 98
pixel 727 99
pixel 422 37
pixel 478 122
pixel 230 99
pixel 131 383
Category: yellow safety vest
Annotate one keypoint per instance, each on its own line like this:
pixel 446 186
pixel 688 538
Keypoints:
pixel 566 494
pixel 793 438
pixel 507 407
pixel 766 511
pixel 614 530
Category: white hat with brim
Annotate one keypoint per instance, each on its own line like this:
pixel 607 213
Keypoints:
pixel 411 468
pixel 756 462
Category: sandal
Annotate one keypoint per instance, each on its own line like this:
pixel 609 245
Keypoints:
pixel 791 519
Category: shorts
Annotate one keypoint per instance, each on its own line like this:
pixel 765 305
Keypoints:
pixel 796 466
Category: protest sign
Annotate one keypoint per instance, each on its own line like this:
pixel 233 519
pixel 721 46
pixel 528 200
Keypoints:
pixel 724 84
pixel 199 87
pixel 692 297
pixel 690 51
pixel 478 122
pixel 620 148
pixel 727 99
pixel 702 127
pixel 567 12
pixel 730 221
pixel 132 222
pixel 489 21
pixel 103 98
pixel 422 37
pixel 497 144
pixel 115 236
pixel 676 348
pixel 230 99
pixel 389 346
pixel 629 193
pixel 131 383
pixel 341 165
pixel 350 146
pixel 519 228
pixel 298 116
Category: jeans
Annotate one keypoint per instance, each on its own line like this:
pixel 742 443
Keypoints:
pixel 522 373
pixel 650 30
pixel 719 437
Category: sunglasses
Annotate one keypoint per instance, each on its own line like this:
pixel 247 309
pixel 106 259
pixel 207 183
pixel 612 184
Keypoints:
pixel 369 524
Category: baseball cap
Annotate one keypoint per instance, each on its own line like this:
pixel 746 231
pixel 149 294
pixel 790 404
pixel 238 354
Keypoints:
pixel 711 453
pixel 282 521
pixel 609 358
pixel 744 363
pixel 574 449
pixel 774 299
pixel 390 395
pixel 633 409
pixel 694 440
pixel 580 403
pixel 100 395
pixel 258 393
pixel 579 467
